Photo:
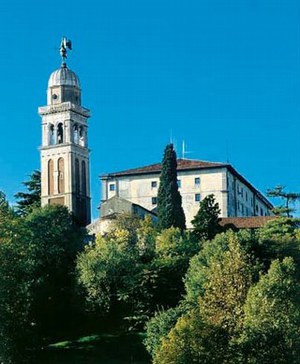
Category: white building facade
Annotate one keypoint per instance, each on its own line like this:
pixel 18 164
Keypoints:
pixel 196 179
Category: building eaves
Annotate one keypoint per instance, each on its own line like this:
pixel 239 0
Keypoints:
pixel 182 165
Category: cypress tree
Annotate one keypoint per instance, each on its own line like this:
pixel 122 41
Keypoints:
pixel 169 209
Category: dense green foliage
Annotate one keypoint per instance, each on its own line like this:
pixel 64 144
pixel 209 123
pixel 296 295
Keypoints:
pixel 206 222
pixel 28 201
pixel 272 316
pixel 128 273
pixel 202 296
pixel 37 281
pixel 234 313
pixel 169 209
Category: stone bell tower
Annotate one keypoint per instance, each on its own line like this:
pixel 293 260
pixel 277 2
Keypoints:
pixel 64 151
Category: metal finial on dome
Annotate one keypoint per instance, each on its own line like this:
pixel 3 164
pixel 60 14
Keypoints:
pixel 64 45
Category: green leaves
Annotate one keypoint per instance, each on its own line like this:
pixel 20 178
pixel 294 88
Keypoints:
pixel 27 201
pixel 206 222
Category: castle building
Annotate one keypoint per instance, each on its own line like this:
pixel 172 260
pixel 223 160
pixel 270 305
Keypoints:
pixel 196 179
pixel 64 152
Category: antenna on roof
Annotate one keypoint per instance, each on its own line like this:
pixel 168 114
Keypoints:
pixel 184 151
pixel 171 136
pixel 227 151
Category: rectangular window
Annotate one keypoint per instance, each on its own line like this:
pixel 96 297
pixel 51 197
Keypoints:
pixel 251 201
pixel 112 187
pixel 242 208
pixel 197 197
pixel 179 183
pixel 261 212
pixel 197 181
pixel 153 184
pixel 246 196
pixel 154 200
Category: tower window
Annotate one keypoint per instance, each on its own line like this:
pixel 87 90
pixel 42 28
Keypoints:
pixel 179 183
pixel 197 181
pixel 81 136
pixel 60 133
pixel 197 197
pixel 154 200
pixel 83 177
pixel 153 184
pixel 75 134
pixel 50 177
pixel 61 177
pixel 77 176
pixel 112 187
pixel 51 134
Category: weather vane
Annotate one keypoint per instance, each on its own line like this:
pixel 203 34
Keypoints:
pixel 64 45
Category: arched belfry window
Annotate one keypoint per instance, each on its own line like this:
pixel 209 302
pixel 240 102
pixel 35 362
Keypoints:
pixel 60 133
pixel 83 177
pixel 51 134
pixel 50 177
pixel 61 175
pixel 81 136
pixel 75 134
pixel 77 177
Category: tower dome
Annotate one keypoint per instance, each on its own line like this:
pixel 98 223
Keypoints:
pixel 63 86
pixel 63 76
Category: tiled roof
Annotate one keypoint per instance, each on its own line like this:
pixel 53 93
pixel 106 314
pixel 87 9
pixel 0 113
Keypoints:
pixel 252 222
pixel 182 164
pixel 186 165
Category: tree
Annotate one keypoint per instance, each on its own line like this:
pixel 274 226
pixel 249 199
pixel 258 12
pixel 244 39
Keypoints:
pixel 159 326
pixel 288 197
pixel 37 281
pixel 192 340
pixel 209 330
pixel 206 222
pixel 272 317
pixel 169 209
pixel 117 279
pixel 27 201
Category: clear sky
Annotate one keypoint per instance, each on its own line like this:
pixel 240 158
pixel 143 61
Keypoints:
pixel 223 75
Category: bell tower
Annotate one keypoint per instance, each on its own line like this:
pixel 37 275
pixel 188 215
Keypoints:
pixel 64 152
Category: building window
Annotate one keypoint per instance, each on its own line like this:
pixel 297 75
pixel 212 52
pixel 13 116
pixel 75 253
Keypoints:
pixel 197 197
pixel 242 208
pixel 179 183
pixel 251 201
pixel 154 200
pixel 261 212
pixel 112 187
pixel 246 196
pixel 153 184
pixel 61 179
pixel 197 181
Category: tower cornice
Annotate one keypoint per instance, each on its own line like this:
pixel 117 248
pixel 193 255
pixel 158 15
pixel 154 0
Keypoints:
pixel 65 106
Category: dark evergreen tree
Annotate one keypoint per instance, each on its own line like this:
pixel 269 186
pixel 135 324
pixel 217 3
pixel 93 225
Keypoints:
pixel 206 222
pixel 27 201
pixel 169 209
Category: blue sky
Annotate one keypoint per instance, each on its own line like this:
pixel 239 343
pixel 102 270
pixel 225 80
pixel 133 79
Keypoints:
pixel 223 75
